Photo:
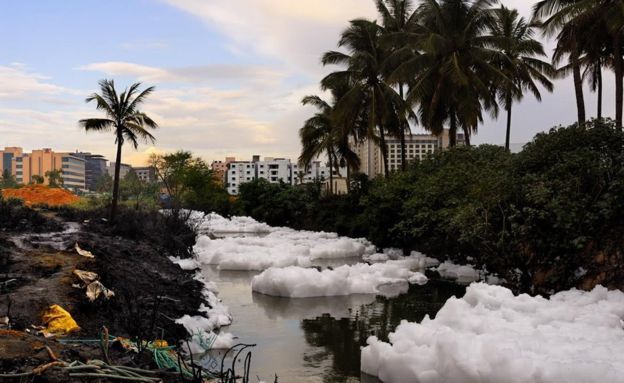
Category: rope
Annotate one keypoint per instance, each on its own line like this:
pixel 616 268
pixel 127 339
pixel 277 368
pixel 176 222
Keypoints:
pixel 165 358
pixel 97 369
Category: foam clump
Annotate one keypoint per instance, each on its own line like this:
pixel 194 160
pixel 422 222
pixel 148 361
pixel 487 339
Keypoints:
pixel 459 273
pixel 275 247
pixel 490 335
pixel 361 278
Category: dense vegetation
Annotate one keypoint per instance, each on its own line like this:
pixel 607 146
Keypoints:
pixel 550 216
pixel 443 64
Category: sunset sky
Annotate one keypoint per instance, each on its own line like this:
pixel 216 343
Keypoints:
pixel 229 74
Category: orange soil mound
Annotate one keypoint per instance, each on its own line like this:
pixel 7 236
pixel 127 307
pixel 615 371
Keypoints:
pixel 40 194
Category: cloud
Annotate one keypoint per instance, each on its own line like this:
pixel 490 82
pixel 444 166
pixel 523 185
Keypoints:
pixel 192 74
pixel 294 32
pixel 196 113
pixel 18 82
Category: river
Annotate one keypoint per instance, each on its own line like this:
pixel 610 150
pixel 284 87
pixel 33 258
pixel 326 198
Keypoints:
pixel 317 339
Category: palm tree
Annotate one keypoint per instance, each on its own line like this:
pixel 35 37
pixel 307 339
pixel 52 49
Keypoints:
pixel 123 118
pixel 450 77
pixel 598 54
pixel 369 97
pixel 520 62
pixel 574 18
pixel 318 136
pixel 399 23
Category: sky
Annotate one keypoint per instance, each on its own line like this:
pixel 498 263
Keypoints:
pixel 229 75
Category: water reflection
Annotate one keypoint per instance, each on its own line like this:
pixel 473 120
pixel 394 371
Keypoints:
pixel 286 308
pixel 319 339
pixel 341 338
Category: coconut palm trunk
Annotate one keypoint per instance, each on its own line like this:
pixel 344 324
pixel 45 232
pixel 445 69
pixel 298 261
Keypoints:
pixel 402 135
pixel 384 150
pixel 348 179
pixel 508 134
pixel 466 136
pixel 453 132
pixel 578 85
pixel 599 90
pixel 331 173
pixel 619 85
pixel 116 178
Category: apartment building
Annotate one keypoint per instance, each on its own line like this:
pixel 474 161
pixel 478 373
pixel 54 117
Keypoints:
pixel 219 168
pixel 124 169
pixel 315 172
pixel 23 166
pixel 417 146
pixel 6 159
pixel 145 173
pixel 95 167
pixel 274 170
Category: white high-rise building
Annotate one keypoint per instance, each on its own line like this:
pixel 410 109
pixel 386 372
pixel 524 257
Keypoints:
pixel 274 170
pixel 417 146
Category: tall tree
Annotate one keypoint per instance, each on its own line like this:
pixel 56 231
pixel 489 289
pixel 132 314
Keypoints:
pixel 369 97
pixel 124 119
pixel 574 19
pixel 398 19
pixel 520 61
pixel 451 76
pixel 318 136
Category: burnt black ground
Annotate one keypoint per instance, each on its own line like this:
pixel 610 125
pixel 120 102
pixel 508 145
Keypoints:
pixel 150 291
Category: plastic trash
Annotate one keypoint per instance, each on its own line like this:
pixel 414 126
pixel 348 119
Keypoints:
pixel 84 253
pixel 86 276
pixel 95 289
pixel 58 322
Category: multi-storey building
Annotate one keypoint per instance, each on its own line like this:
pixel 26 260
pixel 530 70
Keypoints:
pixel 417 146
pixel 6 159
pixel 274 170
pixel 95 167
pixel 145 173
pixel 124 169
pixel 219 168
pixel 315 172
pixel 23 166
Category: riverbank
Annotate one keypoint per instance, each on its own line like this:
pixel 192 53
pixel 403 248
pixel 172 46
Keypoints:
pixel 39 261
pixel 310 310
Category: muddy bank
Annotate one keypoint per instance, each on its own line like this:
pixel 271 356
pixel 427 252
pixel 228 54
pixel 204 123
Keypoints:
pixel 36 271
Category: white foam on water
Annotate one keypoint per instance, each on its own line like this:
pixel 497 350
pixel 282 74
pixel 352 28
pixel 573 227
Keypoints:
pixel 491 336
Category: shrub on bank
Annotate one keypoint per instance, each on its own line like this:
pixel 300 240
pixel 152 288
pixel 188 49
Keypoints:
pixel 16 217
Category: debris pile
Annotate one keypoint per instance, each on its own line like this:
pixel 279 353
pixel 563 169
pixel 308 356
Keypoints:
pixel 41 194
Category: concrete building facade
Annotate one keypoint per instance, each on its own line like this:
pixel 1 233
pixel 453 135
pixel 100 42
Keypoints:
pixel 23 166
pixel 417 146
pixel 219 168
pixel 6 159
pixel 145 173
pixel 95 167
pixel 274 170
pixel 124 169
